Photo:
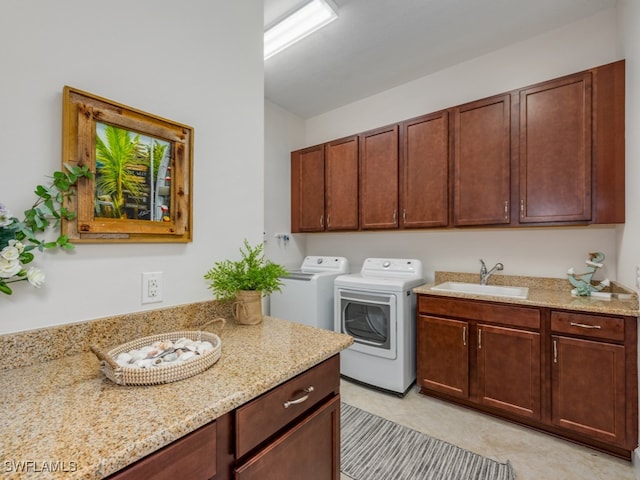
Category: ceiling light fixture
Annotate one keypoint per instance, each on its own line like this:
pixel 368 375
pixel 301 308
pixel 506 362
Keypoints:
pixel 301 22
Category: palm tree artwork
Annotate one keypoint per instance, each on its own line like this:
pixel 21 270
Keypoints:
pixel 128 181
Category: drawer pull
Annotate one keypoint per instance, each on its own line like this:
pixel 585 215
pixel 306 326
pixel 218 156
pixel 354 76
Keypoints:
pixel 584 325
pixel 307 391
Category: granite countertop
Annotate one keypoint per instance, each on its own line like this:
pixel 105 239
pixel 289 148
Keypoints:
pixel 64 415
pixel 543 292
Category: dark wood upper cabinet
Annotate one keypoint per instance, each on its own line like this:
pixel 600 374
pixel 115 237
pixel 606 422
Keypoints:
pixel 547 154
pixel 324 187
pixel 379 178
pixel 424 171
pixel 341 179
pixel 307 190
pixel 608 188
pixel 555 150
pixel 482 159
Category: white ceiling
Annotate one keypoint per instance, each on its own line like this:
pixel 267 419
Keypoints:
pixel 375 45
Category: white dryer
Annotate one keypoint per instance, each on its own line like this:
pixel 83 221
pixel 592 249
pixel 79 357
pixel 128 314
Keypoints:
pixel 307 292
pixel 377 307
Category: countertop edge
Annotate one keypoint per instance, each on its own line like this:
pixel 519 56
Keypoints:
pixel 543 292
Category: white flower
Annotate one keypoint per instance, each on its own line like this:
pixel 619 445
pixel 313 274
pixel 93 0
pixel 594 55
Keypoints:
pixel 9 268
pixel 35 276
pixel 5 216
pixel 19 245
pixel 10 253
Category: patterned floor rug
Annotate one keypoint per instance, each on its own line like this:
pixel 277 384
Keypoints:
pixel 373 448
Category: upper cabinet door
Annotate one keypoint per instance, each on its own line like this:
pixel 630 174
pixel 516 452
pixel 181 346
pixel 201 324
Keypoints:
pixel 482 162
pixel 341 162
pixel 379 178
pixel 307 190
pixel 555 151
pixel 424 171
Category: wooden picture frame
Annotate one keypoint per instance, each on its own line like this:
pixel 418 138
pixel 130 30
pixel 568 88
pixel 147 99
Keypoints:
pixel 142 169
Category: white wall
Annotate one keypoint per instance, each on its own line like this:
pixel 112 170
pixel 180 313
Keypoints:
pixel 629 250
pixel 284 132
pixel 197 62
pixel 528 251
pixel 629 233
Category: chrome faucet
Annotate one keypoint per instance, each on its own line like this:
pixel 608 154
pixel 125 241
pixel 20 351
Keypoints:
pixel 484 274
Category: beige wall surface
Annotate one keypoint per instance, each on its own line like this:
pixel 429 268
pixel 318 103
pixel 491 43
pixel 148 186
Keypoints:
pixel 200 65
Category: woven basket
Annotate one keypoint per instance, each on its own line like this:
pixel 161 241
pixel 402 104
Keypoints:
pixel 158 375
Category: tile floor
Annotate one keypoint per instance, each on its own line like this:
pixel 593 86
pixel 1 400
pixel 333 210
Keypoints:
pixel 534 455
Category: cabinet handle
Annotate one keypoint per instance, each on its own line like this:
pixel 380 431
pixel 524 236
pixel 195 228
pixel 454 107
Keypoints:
pixel 321 221
pixel 521 208
pixel 395 215
pixel 404 216
pixel 555 351
pixel 328 220
pixel 303 398
pixel 506 210
pixel 479 339
pixel 584 325
pixel 464 336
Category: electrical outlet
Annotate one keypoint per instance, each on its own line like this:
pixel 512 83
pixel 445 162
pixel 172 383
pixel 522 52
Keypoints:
pixel 151 287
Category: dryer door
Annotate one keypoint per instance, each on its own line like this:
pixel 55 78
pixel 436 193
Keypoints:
pixel 370 318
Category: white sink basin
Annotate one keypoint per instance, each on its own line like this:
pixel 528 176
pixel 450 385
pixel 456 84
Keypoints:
pixel 477 289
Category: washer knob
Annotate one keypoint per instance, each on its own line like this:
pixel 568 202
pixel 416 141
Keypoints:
pixel 386 264
pixel 319 261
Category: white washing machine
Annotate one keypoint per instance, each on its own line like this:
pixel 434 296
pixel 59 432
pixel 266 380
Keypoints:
pixel 307 293
pixel 377 307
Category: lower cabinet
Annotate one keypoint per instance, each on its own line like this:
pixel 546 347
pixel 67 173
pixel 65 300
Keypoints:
pixel 293 431
pixel 589 376
pixel 568 373
pixel 309 450
pixel 194 456
pixel 445 343
pixel 508 361
pixel 288 433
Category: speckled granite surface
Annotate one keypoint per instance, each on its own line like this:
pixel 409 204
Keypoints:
pixel 65 415
pixel 543 292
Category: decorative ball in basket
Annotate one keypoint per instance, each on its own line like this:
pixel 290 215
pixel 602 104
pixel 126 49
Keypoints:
pixel 245 282
pixel 161 358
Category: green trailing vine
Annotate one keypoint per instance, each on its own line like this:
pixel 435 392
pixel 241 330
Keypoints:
pixel 19 238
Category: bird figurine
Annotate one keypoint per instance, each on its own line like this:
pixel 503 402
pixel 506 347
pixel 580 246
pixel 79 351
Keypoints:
pixel 582 281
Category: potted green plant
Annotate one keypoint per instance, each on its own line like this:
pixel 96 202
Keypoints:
pixel 246 281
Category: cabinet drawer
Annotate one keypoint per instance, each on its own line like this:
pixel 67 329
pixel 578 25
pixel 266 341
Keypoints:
pixel 594 326
pixel 480 310
pixel 193 457
pixel 267 414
